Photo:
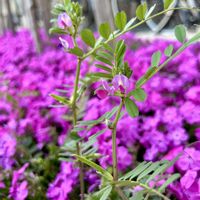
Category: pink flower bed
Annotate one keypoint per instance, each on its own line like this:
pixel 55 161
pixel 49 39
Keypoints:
pixel 31 131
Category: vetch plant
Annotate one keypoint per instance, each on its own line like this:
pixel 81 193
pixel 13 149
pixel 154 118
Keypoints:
pixel 148 180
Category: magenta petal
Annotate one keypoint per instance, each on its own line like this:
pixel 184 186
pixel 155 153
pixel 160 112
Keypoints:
pixel 102 94
pixel 188 179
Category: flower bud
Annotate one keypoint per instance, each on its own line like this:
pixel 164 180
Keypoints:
pixel 64 21
pixel 64 43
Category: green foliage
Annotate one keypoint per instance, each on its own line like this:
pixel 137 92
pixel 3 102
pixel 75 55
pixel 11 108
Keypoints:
pixel 194 39
pixel 167 3
pixel 105 30
pixel 98 168
pixel 57 30
pixel 120 20
pixel 130 23
pixel 102 194
pixel 105 55
pixel 138 195
pixel 170 180
pixel 105 68
pixel 91 140
pixel 139 94
pixel 58 8
pixel 88 37
pixel 121 67
pixel 61 99
pixel 155 59
pixel 169 50
pixel 104 60
pixel 90 123
pixel 180 33
pixel 140 82
pixel 150 72
pixel 131 107
pixel 99 75
pixel 120 50
pixel 141 11
pixel 150 11
pixel 146 172
pixel 108 48
pixel 76 51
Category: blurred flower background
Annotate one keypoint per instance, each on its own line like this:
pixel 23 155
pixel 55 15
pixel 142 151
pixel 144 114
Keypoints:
pixel 33 66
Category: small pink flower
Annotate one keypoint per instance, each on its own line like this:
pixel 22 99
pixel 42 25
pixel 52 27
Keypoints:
pixel 120 83
pixel 64 21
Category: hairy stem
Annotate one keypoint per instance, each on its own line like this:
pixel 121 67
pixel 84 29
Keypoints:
pixel 121 194
pixel 81 174
pixel 114 143
pixel 74 109
pixel 114 150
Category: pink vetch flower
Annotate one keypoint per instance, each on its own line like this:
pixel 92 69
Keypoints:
pixel 120 83
pixel 64 43
pixel 64 21
pixel 19 187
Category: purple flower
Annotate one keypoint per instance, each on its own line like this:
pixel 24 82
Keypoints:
pixel 63 184
pixel 120 83
pixel 177 136
pixel 151 153
pixel 188 179
pixel 171 116
pixel 93 179
pixel 19 187
pixel 197 133
pixel 171 155
pixel 193 94
pixel 190 184
pixel 7 149
pixel 64 21
pixel 190 160
pixel 124 158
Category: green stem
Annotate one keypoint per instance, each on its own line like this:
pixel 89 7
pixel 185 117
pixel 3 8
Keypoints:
pixel 114 143
pixel 181 49
pixel 147 197
pixel 74 109
pixel 81 173
pixel 114 150
pixel 132 27
pixel 135 183
pixel 121 194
